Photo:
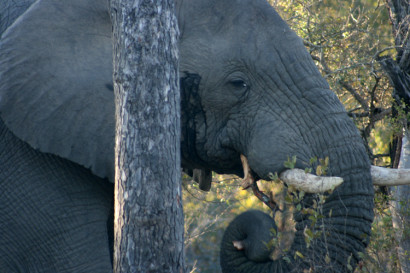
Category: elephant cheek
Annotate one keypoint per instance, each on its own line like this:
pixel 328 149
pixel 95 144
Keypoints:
pixel 269 149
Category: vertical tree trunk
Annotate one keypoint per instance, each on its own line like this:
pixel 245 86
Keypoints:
pixel 398 71
pixel 401 210
pixel 148 203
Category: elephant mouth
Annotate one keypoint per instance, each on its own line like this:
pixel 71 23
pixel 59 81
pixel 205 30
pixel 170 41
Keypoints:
pixel 309 183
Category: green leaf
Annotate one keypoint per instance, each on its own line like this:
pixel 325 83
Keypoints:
pixel 309 233
pixel 312 160
pixel 326 161
pixel 286 258
pixel 288 199
pixel 273 177
pixel 300 255
pixel 273 232
pixel 290 163
pixel 327 259
pixel 319 170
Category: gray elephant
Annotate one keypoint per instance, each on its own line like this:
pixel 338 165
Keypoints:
pixel 10 10
pixel 248 87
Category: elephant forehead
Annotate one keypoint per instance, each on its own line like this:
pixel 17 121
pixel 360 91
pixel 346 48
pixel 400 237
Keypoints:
pixel 215 16
pixel 235 25
pixel 248 32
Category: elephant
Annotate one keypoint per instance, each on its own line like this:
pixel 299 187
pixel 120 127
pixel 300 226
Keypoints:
pixel 10 10
pixel 248 87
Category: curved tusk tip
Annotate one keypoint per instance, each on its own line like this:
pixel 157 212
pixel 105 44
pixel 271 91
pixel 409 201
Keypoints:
pixel 308 182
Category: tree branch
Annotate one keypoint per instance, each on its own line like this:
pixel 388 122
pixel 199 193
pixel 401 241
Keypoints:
pixel 352 91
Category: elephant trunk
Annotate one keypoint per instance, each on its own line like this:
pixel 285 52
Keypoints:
pixel 330 235
pixel 342 227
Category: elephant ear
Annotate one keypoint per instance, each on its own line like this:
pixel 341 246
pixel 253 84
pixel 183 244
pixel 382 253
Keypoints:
pixel 56 81
pixel 10 10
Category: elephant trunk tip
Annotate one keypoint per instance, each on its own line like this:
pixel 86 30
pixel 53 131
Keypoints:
pixel 239 245
pixel 241 240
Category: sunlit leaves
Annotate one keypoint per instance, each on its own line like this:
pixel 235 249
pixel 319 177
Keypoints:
pixel 343 37
pixel 290 163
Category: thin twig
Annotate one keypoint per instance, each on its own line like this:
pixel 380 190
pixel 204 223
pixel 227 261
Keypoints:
pixel 264 198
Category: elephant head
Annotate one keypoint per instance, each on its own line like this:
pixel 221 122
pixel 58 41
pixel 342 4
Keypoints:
pixel 262 96
pixel 248 87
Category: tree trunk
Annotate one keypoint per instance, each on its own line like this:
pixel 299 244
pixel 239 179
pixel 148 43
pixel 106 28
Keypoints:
pixel 400 18
pixel 398 72
pixel 148 201
pixel 400 206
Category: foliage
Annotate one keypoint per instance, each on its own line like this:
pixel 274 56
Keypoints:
pixel 207 216
pixel 381 255
pixel 344 38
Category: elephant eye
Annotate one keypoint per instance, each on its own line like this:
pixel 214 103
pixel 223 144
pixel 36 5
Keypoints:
pixel 238 84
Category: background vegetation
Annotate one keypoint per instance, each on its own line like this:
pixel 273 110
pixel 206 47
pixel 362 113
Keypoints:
pixel 345 38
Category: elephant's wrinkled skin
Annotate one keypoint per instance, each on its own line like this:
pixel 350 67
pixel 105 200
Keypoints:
pixel 248 86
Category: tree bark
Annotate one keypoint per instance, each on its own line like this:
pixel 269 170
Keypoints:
pixel 399 11
pixel 148 201
pixel 400 206
pixel 398 71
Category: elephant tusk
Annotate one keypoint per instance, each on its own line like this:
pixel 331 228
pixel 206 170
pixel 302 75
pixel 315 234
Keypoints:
pixel 380 176
pixel 308 182
pixel 295 177
pixel 390 177
pixel 248 179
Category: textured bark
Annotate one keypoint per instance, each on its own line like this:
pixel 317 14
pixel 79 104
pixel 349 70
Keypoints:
pixel 148 212
pixel 400 18
pixel 401 211
pixel 398 72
